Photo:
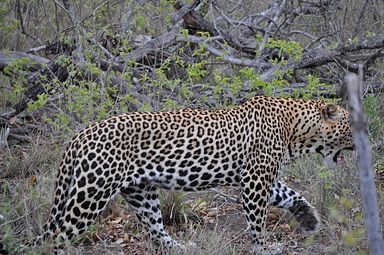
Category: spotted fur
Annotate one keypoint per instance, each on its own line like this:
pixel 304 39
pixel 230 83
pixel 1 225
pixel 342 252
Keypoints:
pixel 134 154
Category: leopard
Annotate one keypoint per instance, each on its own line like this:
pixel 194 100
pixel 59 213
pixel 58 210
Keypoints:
pixel 137 153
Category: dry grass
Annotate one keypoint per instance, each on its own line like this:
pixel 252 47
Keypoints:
pixel 336 197
pixel 26 185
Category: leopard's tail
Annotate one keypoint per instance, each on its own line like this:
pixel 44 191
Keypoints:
pixel 64 181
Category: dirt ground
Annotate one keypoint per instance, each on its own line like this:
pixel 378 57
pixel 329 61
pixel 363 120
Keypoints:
pixel 120 233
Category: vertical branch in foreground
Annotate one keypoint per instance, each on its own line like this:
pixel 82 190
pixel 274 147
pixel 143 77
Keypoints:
pixel 364 164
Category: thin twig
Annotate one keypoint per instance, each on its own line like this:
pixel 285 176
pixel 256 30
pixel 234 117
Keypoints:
pixel 230 198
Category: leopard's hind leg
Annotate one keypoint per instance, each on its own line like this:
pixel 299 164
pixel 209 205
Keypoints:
pixel 87 198
pixel 145 202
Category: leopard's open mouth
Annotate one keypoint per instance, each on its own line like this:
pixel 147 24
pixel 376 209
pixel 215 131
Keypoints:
pixel 339 156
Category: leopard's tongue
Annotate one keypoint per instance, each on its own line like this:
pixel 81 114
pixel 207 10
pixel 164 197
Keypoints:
pixel 341 159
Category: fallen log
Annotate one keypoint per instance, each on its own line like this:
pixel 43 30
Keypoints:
pixel 35 62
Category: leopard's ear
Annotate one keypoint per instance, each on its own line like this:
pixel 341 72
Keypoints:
pixel 330 112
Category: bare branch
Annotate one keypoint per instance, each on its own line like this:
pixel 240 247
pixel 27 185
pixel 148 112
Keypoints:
pixel 279 5
pixel 194 21
pixel 153 45
pixel 183 10
pixel 21 22
pixel 224 56
pixel 321 57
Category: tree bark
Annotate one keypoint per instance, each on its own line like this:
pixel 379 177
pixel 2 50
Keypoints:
pixel 364 164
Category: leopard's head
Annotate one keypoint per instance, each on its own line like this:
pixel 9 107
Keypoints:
pixel 322 128
pixel 334 132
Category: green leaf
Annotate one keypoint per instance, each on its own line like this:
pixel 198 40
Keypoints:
pixel 42 99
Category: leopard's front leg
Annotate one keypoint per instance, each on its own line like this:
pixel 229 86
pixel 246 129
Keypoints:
pixel 256 182
pixel 283 196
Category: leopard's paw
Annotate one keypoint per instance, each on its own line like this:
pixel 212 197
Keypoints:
pixel 307 217
pixel 271 249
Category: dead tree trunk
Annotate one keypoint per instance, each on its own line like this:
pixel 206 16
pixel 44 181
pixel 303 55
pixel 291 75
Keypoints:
pixel 364 164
